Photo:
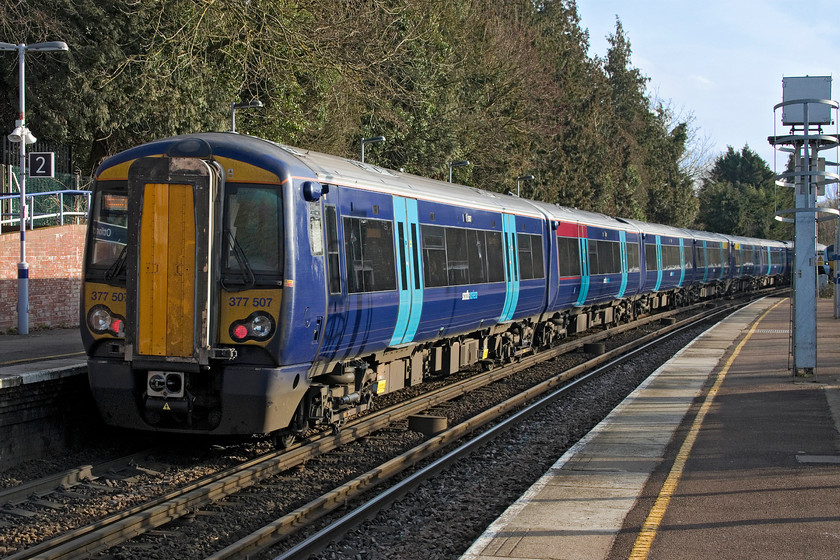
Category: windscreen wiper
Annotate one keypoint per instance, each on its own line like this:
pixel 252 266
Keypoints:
pixel 244 266
pixel 118 266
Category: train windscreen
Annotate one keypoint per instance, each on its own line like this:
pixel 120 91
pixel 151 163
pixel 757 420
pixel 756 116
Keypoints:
pixel 109 229
pixel 252 236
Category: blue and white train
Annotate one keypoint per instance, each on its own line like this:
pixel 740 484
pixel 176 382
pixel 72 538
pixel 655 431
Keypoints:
pixel 233 285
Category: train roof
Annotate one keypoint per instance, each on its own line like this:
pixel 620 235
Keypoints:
pixel 337 170
pixel 328 168
pixel 303 164
pixel 585 217
pixel 741 240
pixel 708 236
pixel 659 229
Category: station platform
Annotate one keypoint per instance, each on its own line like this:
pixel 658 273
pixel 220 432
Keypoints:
pixel 40 356
pixel 722 453
pixel 45 403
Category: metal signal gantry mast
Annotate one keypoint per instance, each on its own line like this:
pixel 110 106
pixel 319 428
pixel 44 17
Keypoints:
pixel 807 108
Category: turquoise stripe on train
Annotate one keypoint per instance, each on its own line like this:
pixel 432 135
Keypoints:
pixel 411 295
pixel 413 241
pixel 583 249
pixel 658 264
pixel 512 268
pixel 622 238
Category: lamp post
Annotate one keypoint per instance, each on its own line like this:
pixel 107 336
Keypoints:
pixel 247 105
pixel 522 178
pixel 24 136
pixel 456 164
pixel 371 140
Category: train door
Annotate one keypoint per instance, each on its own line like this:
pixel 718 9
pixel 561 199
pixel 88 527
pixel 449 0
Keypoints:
pixel 622 244
pixel 583 247
pixel 168 260
pixel 409 273
pixel 363 302
pixel 336 316
pixel 658 246
pixel 511 267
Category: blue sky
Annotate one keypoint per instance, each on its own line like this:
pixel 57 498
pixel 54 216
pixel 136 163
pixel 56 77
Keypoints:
pixel 722 60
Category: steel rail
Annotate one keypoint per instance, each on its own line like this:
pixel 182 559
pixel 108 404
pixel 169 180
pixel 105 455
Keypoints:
pixel 66 479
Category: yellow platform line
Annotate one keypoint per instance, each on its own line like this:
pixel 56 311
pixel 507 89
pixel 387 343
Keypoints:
pixel 641 548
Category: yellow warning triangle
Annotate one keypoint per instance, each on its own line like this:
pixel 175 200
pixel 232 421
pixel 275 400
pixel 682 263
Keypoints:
pixel 166 406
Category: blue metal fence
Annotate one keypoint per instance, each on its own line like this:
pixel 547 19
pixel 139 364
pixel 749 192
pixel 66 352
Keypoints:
pixel 48 208
pixel 49 201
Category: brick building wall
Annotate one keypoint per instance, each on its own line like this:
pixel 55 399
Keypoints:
pixel 55 256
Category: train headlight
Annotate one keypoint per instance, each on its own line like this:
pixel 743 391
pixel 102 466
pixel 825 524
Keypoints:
pixel 261 326
pixel 258 326
pixel 102 321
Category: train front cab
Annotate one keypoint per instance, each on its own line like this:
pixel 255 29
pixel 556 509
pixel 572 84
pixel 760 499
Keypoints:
pixel 182 301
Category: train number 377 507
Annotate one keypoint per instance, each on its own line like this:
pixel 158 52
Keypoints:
pixel 241 301
pixel 107 296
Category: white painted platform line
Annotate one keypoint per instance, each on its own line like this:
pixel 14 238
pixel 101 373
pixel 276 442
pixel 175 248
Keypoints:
pixel 602 493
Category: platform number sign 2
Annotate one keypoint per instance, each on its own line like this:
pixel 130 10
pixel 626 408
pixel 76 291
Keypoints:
pixel 41 164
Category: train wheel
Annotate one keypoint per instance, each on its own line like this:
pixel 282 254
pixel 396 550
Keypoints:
pixel 283 439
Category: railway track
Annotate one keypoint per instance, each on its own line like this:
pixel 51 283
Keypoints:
pixel 192 498
pixel 524 404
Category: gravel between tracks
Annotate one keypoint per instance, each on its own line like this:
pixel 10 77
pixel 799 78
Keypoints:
pixel 445 515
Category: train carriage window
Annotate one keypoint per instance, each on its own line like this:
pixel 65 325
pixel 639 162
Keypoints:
pixel 495 257
pixel 594 264
pixel 457 260
pixel 530 256
pixel 434 256
pixel 670 257
pixel 609 256
pixel 526 265
pixel 537 256
pixel 667 257
pixel 508 252
pixel 476 254
pixel 714 255
pixel 633 257
pixel 369 255
pixel 254 230
pixel 333 261
pixel 568 255
pixel 458 256
pixel 415 248
pixel 650 257
pixel 401 249
pixel 316 233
